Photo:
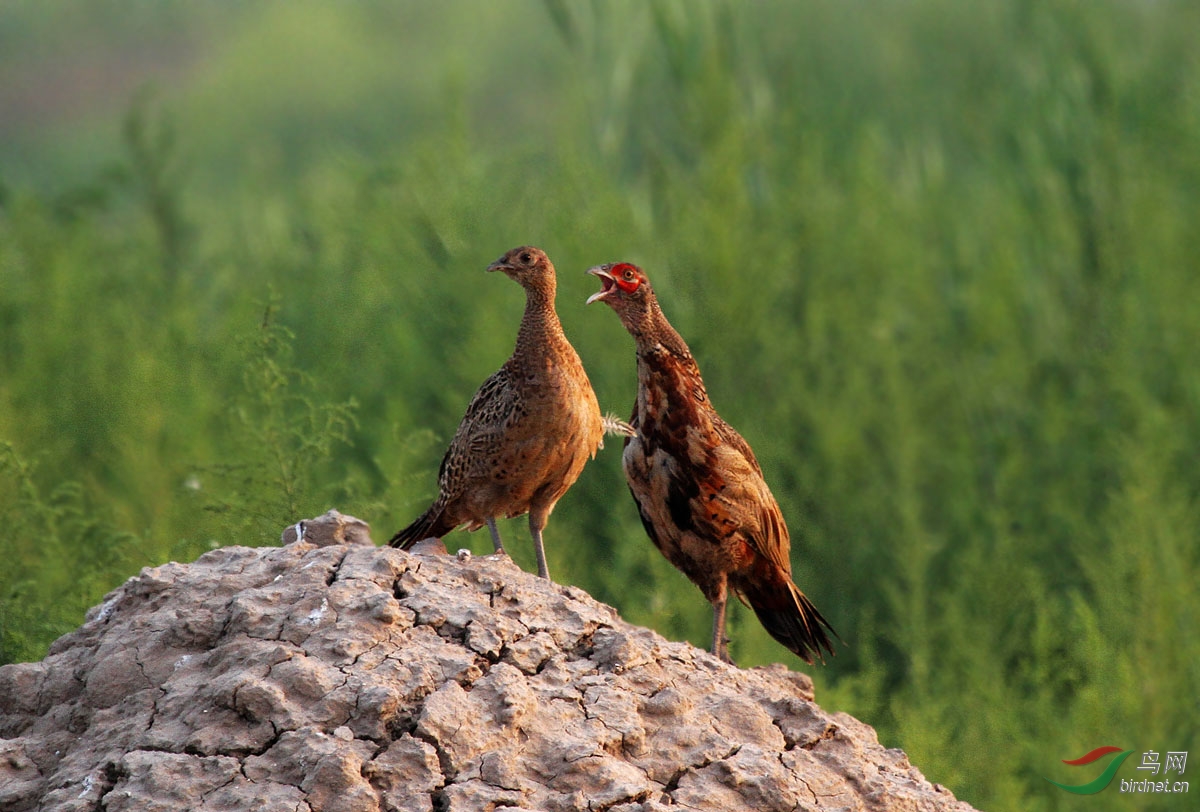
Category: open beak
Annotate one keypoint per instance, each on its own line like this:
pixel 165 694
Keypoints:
pixel 607 283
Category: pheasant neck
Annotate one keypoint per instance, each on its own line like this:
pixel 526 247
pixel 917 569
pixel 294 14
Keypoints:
pixel 654 334
pixel 668 378
pixel 540 328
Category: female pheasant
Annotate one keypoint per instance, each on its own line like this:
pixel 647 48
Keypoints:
pixel 699 489
pixel 528 431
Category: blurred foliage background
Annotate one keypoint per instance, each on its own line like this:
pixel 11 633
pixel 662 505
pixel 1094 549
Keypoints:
pixel 937 261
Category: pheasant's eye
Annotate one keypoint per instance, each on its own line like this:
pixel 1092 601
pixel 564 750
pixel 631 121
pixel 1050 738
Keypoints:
pixel 526 258
pixel 626 276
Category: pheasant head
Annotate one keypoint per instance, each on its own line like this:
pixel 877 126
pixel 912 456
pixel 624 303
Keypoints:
pixel 529 267
pixel 626 289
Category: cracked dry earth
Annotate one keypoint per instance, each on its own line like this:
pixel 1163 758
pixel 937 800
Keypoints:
pixel 347 677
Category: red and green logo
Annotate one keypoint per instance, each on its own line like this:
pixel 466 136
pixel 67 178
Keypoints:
pixel 1103 779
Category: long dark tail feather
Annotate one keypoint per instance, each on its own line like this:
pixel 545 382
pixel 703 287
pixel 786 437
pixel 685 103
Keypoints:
pixel 430 524
pixel 790 617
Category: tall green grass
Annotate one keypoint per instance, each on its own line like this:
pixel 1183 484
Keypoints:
pixel 936 261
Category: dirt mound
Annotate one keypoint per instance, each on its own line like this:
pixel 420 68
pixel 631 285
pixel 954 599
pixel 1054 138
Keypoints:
pixel 329 675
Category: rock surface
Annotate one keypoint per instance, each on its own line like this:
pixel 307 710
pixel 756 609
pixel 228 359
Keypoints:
pixel 331 675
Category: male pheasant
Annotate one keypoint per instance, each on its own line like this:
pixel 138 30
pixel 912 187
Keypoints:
pixel 698 488
pixel 528 431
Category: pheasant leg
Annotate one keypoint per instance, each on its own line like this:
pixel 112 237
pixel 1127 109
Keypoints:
pixel 491 523
pixel 535 530
pixel 719 641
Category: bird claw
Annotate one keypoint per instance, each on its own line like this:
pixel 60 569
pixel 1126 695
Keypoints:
pixel 615 425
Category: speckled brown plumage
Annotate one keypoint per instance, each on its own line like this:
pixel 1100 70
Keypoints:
pixel 527 432
pixel 699 490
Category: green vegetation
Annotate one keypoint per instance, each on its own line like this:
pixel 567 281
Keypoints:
pixel 937 261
